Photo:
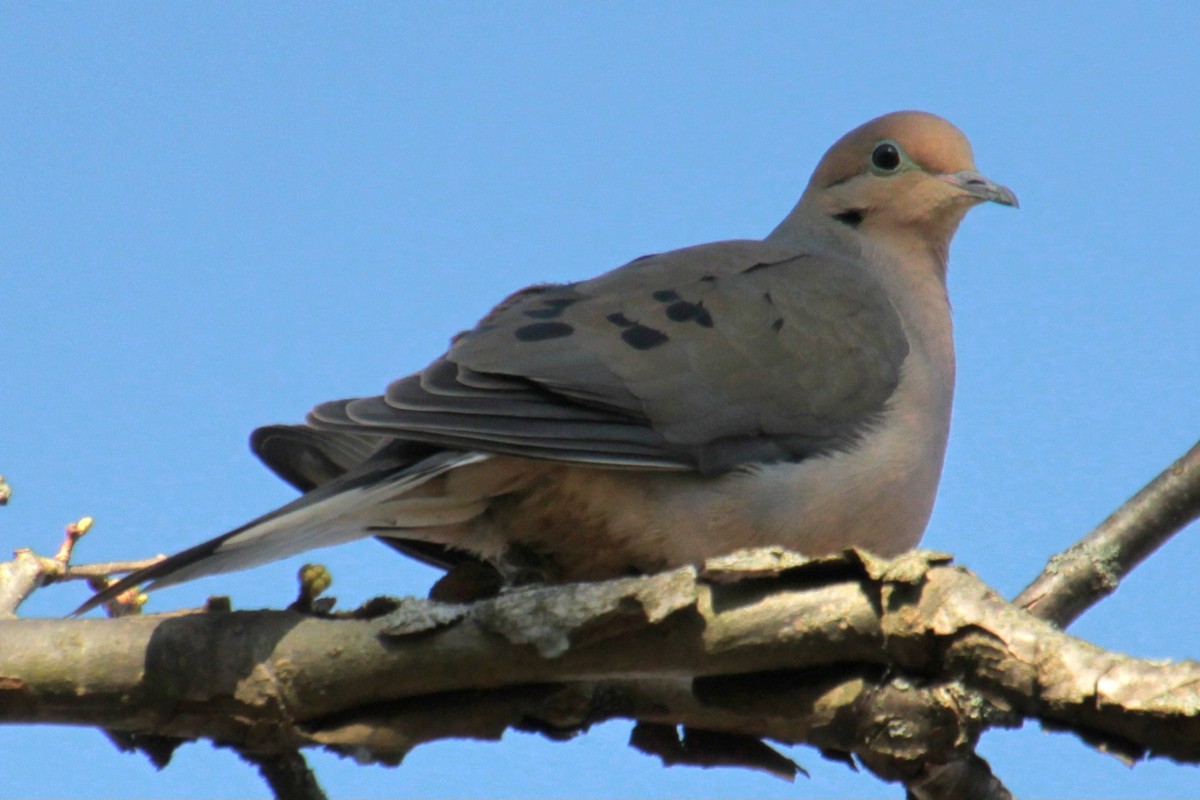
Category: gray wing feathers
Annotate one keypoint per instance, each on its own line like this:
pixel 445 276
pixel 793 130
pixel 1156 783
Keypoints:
pixel 704 357
pixel 307 457
pixel 602 442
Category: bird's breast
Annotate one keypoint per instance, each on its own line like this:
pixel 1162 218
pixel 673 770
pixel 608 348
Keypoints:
pixel 593 523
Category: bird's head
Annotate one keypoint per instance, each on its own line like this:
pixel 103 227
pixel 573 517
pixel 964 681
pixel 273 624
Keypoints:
pixel 909 173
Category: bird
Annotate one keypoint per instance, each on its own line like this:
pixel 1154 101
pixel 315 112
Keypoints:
pixel 792 391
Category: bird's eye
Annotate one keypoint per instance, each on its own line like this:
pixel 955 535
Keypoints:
pixel 885 157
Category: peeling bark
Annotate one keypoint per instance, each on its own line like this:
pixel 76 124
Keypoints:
pixel 902 662
pixel 899 665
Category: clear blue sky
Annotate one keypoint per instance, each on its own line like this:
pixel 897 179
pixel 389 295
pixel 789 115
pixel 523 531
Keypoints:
pixel 213 216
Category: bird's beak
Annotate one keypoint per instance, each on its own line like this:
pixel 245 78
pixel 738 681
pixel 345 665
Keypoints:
pixel 977 185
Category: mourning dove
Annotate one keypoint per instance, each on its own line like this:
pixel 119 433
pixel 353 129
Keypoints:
pixel 793 391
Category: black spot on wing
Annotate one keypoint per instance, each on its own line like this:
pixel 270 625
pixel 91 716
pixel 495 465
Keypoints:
pixel 553 307
pixel 777 325
pixel 680 310
pixel 683 311
pixel 640 337
pixel 540 331
pixel 769 264
pixel 619 319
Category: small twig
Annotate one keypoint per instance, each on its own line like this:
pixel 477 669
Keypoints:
pixel 28 571
pixel 1093 567
pixel 314 580
pixel 126 604
pixel 287 773
pixel 105 568
pixel 74 533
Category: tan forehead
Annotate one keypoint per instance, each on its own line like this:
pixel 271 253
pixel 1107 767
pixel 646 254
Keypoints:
pixel 928 139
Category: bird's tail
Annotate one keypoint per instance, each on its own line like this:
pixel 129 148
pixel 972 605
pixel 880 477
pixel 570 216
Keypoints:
pixel 334 513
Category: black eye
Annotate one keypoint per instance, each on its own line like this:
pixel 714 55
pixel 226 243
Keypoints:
pixel 885 157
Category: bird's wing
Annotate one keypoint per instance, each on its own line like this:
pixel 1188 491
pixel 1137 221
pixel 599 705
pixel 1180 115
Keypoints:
pixel 307 457
pixel 698 359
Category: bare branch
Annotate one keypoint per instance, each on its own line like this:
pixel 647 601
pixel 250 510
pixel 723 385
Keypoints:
pixel 103 569
pixel 287 773
pixel 1093 567
pixel 28 571
pixel 1087 572
pixel 817 651
pixel 903 663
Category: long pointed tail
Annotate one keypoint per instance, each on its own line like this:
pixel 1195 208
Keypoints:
pixel 331 514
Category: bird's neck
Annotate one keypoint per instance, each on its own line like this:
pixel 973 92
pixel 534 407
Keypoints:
pixel 914 277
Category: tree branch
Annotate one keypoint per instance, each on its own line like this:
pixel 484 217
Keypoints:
pixel 287 774
pixel 903 662
pixel 28 571
pixel 1093 567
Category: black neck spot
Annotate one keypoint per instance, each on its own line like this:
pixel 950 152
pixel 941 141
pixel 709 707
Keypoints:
pixel 852 217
